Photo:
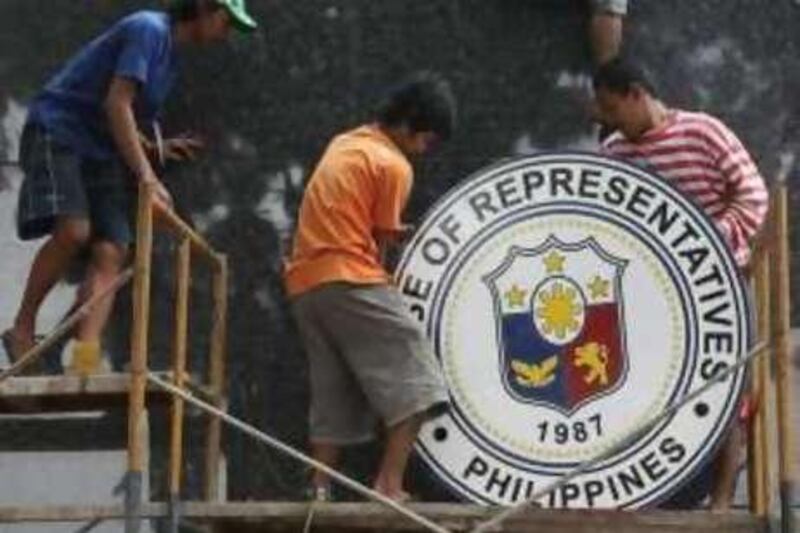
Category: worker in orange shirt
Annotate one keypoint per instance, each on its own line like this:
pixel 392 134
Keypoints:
pixel 369 362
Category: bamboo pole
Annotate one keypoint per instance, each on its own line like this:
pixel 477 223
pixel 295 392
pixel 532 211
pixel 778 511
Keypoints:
pixel 783 356
pixel 217 377
pixel 176 224
pixel 769 408
pixel 181 322
pixel 758 451
pixel 137 420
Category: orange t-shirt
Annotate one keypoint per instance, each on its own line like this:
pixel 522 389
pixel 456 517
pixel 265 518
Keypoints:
pixel 361 185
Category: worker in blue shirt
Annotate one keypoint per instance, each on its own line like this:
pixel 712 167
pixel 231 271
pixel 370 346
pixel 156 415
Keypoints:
pixel 83 151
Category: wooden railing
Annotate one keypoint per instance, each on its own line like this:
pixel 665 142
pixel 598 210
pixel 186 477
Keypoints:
pixel 770 449
pixel 770 446
pixel 190 244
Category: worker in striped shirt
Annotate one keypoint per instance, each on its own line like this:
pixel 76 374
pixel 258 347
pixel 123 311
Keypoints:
pixel 705 160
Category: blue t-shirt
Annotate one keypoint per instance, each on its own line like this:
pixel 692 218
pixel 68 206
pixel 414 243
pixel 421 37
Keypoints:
pixel 70 107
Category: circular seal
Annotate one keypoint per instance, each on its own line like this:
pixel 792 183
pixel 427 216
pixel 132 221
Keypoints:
pixel 569 298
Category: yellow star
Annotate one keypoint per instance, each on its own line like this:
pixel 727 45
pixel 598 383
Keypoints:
pixel 515 296
pixel 554 262
pixel 599 288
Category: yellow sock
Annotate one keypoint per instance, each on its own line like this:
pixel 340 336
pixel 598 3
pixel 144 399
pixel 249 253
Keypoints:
pixel 86 358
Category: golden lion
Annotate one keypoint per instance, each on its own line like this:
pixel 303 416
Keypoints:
pixel 593 356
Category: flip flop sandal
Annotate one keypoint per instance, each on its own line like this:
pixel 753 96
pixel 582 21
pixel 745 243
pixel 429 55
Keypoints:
pixel 9 340
pixel 25 404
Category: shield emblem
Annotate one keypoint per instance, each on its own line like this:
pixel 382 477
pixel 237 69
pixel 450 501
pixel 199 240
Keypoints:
pixel 560 323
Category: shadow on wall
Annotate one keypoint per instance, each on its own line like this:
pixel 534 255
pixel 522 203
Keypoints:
pixel 267 105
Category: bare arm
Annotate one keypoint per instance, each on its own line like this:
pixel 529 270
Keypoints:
pixel 605 36
pixel 746 205
pixel 119 110
pixel 148 145
pixel 182 148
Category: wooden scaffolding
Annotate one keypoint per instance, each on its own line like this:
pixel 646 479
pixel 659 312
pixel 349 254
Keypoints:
pixel 770 448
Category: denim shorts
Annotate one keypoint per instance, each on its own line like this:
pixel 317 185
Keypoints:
pixel 60 182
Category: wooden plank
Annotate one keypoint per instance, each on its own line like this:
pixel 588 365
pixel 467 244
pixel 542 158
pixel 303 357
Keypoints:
pixel 369 517
pixel 43 386
pixel 61 513
pixel 277 516
pixel 43 394
pixel 352 517
pixel 217 356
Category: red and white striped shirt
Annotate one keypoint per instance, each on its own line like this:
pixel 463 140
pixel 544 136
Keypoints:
pixel 704 160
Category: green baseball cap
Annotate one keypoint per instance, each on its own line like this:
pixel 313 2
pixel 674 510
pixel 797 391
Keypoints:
pixel 241 19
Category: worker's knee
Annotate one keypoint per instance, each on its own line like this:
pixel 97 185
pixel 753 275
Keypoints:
pixel 72 233
pixel 108 258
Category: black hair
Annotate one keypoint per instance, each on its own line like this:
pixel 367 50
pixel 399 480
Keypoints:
pixel 424 102
pixel 186 10
pixel 620 76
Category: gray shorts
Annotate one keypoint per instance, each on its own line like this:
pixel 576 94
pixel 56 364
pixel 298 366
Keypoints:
pixel 615 7
pixel 60 182
pixel 368 362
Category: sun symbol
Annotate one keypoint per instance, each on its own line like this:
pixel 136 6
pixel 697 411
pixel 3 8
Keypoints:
pixel 559 310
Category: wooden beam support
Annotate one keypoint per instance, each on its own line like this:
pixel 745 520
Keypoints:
pixel 139 354
pixel 758 454
pixel 783 354
pixel 180 337
pixel 366 517
pixel 40 394
pixel 217 359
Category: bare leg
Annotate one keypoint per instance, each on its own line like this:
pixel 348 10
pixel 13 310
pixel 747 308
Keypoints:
pixel 605 36
pixel 723 485
pixel 399 442
pixel 107 262
pixel 327 454
pixel 49 265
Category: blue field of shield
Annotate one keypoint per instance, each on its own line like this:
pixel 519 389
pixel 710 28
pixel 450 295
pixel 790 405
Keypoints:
pixel 523 342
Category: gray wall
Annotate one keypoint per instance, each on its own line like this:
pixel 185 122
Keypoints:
pixel 268 105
